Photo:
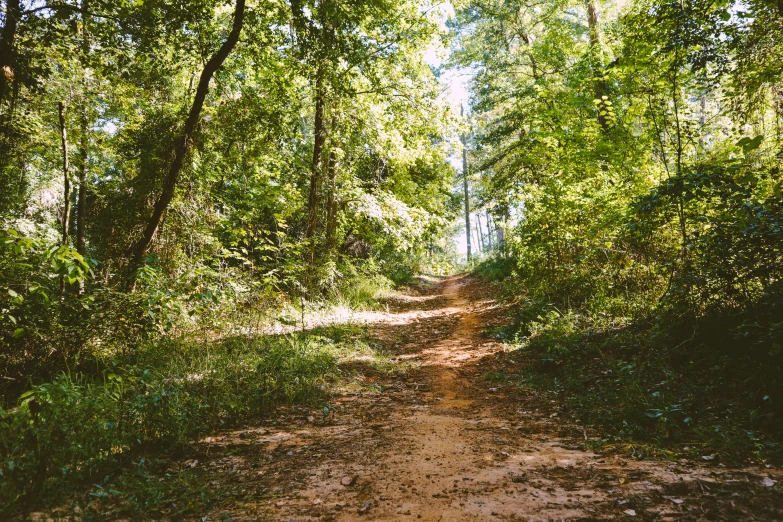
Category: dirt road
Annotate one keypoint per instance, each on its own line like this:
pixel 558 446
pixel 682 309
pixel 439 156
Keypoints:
pixel 442 442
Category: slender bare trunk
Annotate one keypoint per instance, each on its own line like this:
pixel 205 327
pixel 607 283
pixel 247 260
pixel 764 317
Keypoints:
pixel 597 60
pixel 84 124
pixel 489 231
pixel 482 246
pixel 315 168
pixel 66 178
pixel 331 203
pixel 183 142
pixel 66 185
pixel 465 186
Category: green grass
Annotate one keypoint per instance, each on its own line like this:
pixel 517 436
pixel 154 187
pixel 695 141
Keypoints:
pixel 106 432
pixel 641 386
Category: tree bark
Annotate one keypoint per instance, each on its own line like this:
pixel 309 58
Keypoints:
pixel 489 231
pixel 319 138
pixel 84 139
pixel 13 13
pixel 482 246
pixel 331 204
pixel 183 142
pixel 66 178
pixel 66 186
pixel 465 186
pixel 315 168
pixel 597 59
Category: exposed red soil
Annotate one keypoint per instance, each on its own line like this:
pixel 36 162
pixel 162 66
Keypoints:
pixel 440 442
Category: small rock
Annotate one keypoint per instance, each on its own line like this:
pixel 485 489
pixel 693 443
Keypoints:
pixel 707 457
pixel 630 512
pixel 678 501
pixel 769 482
pixel 347 481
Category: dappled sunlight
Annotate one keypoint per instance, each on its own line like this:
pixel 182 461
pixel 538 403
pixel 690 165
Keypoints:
pixel 442 434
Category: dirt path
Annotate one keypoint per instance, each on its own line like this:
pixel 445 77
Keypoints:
pixel 443 443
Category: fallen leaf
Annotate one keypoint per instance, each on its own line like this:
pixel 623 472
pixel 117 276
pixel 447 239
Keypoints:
pixel 630 512
pixel 769 482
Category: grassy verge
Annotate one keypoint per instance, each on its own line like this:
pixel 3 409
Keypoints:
pixel 702 388
pixel 108 432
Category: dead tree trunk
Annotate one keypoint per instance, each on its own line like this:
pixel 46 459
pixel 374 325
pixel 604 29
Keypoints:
pixel 183 142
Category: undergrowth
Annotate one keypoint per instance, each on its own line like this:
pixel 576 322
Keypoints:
pixel 705 387
pixel 89 439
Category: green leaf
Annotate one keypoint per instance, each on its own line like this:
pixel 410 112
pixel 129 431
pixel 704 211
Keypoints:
pixel 749 144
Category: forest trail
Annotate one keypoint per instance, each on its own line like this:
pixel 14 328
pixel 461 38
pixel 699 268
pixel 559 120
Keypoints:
pixel 442 442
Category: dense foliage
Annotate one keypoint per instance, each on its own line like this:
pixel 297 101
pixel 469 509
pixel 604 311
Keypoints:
pixel 634 152
pixel 176 173
pixel 179 176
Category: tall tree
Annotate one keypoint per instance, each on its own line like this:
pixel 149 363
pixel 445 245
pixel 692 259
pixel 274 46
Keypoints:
pixel 13 15
pixel 182 144
pixel 465 191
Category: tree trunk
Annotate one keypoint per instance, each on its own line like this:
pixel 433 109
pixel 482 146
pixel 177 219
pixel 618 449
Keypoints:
pixel 13 13
pixel 489 231
pixel 465 186
pixel 66 186
pixel 84 124
pixel 597 60
pixel 482 246
pixel 315 168
pixel 81 202
pixel 66 178
pixel 331 204
pixel 501 235
pixel 183 142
